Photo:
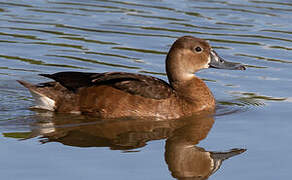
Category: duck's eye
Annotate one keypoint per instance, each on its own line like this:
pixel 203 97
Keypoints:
pixel 198 49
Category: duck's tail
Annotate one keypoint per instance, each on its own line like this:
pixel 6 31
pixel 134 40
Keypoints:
pixel 42 97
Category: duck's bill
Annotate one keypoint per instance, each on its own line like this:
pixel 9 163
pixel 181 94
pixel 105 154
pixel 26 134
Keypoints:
pixel 220 63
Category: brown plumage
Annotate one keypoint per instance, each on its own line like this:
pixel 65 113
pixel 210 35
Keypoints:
pixel 121 94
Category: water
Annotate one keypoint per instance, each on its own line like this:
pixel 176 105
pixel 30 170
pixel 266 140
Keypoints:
pixel 254 106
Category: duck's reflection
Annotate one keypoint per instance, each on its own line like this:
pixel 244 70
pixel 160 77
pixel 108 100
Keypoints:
pixel 185 160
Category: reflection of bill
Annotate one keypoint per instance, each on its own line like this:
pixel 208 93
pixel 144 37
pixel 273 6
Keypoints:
pixel 193 162
pixel 185 160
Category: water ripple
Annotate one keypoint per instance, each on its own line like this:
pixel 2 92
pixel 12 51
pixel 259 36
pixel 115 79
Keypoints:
pixel 37 62
pixel 93 61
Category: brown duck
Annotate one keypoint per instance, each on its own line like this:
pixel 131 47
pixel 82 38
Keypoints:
pixel 121 94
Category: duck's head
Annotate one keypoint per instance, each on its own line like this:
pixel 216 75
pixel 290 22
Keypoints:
pixel 188 54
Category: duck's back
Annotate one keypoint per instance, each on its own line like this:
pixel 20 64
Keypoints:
pixel 108 95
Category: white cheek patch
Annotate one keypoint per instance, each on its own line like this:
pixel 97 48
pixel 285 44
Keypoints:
pixel 207 64
pixel 215 56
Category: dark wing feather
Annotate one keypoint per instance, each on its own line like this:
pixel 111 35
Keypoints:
pixel 137 84
pixel 71 80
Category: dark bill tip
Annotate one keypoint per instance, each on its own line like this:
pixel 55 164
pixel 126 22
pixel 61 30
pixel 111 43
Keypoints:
pixel 235 66
pixel 241 67
pixel 220 63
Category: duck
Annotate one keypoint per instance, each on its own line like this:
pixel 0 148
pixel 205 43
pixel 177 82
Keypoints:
pixel 110 95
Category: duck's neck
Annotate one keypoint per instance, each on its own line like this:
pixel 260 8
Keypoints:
pixel 195 91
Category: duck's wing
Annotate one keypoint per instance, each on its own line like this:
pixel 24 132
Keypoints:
pixel 136 84
pixel 71 80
